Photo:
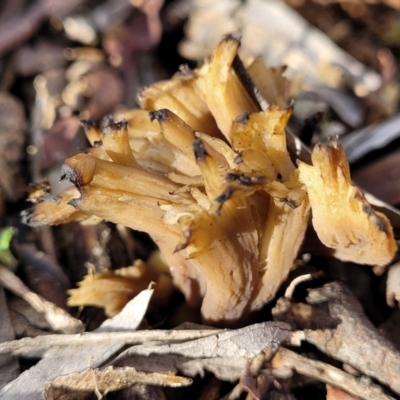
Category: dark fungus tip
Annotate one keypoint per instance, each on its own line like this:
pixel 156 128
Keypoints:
pixel 114 126
pixel 333 141
pixel 75 203
pixel 185 70
pixel 199 150
pixel 232 177
pixel 382 224
pixel 290 203
pixel 234 36
pixel 28 218
pixel 367 209
pixel 225 195
pixel 238 159
pixel 70 174
pixel 243 119
pixel 187 235
pixel 106 120
pixel 159 115
pixel 243 179
pixel 54 198
pixel 88 123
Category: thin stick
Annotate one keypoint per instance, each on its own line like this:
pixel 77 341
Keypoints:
pixel 25 345
pixel 323 372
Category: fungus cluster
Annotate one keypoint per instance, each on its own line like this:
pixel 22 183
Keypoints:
pixel 208 175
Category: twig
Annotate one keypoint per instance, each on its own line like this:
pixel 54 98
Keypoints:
pixel 25 345
pixel 58 318
pixel 326 373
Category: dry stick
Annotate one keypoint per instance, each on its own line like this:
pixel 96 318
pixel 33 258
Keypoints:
pixel 326 373
pixel 58 318
pixel 25 345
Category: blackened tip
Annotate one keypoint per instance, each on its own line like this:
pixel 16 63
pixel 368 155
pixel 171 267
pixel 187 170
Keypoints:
pixel 382 224
pixel 70 174
pixel 28 218
pixel 199 150
pixel 113 126
pixel 243 119
pixel 75 203
pixel 88 123
pixel 159 115
pixel 225 195
pixel 187 235
pixel 185 70
pixel 54 198
pixel 106 120
pixel 234 36
pixel 244 180
pixel 238 159
pixel 333 141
